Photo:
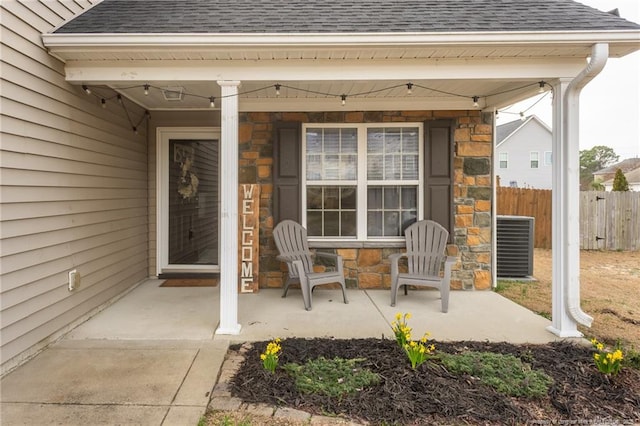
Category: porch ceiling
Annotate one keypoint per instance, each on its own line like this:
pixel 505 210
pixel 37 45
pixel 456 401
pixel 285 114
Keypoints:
pixel 448 70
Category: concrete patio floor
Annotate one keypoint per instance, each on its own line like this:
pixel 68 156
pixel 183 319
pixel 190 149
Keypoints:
pixel 153 356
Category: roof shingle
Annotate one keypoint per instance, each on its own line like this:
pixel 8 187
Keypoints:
pixel 339 16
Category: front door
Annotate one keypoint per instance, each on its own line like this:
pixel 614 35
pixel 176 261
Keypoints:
pixel 188 193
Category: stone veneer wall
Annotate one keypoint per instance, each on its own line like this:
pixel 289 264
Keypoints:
pixel 369 268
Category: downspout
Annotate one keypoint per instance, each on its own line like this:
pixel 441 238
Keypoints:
pixel 494 204
pixel 599 56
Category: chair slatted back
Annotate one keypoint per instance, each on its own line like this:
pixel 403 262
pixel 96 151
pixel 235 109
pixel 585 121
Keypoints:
pixel 291 241
pixel 426 244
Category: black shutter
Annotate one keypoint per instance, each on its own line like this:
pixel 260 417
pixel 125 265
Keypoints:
pixel 438 173
pixel 286 172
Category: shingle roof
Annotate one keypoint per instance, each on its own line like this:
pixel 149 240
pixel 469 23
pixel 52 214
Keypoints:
pixel 504 130
pixel 625 165
pixel 340 16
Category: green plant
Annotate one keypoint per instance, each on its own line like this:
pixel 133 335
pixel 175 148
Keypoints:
pixel 607 361
pixel 270 356
pixel 505 373
pixel 332 377
pixel 418 352
pixel 631 359
pixel 620 182
pixel 401 330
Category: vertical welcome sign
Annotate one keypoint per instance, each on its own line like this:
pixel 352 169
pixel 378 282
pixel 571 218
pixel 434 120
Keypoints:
pixel 248 235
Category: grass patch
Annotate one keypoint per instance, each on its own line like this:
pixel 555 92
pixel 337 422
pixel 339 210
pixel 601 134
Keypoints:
pixel 336 377
pixel 505 373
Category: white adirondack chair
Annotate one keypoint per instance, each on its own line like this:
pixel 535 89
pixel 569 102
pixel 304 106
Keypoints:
pixel 426 244
pixel 291 241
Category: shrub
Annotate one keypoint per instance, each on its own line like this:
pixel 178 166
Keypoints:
pixel 332 377
pixel 505 373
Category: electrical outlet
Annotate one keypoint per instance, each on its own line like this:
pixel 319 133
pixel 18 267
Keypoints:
pixel 74 280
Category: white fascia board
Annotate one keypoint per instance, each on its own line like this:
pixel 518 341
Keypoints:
pixel 322 69
pixel 59 42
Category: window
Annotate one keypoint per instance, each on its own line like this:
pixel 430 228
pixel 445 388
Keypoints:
pixel 362 181
pixel 533 157
pixel 548 158
pixel 504 160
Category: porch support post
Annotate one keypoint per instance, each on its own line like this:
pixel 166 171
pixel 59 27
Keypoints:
pixel 565 263
pixel 566 310
pixel 229 209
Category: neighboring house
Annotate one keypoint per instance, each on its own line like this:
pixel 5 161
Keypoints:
pixel 523 154
pixel 128 126
pixel 633 178
pixel 608 173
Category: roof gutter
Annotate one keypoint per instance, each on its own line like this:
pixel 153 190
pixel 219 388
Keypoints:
pixel 599 56
pixel 63 41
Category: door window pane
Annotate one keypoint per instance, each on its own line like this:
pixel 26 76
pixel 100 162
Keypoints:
pixel 193 202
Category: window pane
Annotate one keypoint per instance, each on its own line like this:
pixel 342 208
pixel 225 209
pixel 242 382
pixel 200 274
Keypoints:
pixel 392 167
pixel 374 224
pixel 375 141
pixel 348 198
pixel 391 223
pixel 348 224
pixel 398 210
pixel 331 141
pixel 408 217
pixel 410 141
pixel 392 140
pixel 374 167
pixel 348 167
pixel 331 223
pixel 314 167
pixel 409 198
pixel 391 198
pixel 349 141
pixel 374 198
pixel 331 211
pixel 314 223
pixel 410 167
pixel 314 141
pixel 331 198
pixel 314 198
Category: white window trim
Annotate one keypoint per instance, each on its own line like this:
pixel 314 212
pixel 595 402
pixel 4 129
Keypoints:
pixel 362 182
pixel 506 160
pixel 163 135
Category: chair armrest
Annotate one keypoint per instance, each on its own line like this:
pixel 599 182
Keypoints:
pixel 451 259
pixel 395 260
pixel 337 259
pixel 327 255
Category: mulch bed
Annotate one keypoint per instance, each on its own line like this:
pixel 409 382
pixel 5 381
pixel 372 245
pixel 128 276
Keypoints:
pixel 432 395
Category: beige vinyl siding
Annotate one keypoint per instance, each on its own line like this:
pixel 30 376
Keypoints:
pixel 74 187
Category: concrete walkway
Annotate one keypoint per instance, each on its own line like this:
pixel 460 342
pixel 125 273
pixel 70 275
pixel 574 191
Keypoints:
pixel 152 357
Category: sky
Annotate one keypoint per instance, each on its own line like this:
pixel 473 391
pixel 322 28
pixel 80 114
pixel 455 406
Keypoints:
pixel 609 104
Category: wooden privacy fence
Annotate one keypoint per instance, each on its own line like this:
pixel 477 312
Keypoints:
pixel 608 220
pixel 528 202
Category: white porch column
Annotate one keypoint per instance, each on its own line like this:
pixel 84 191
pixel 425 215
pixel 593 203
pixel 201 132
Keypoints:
pixel 564 217
pixel 229 209
pixel 566 310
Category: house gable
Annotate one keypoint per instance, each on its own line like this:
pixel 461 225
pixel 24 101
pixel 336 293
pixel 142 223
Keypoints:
pixel 523 143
